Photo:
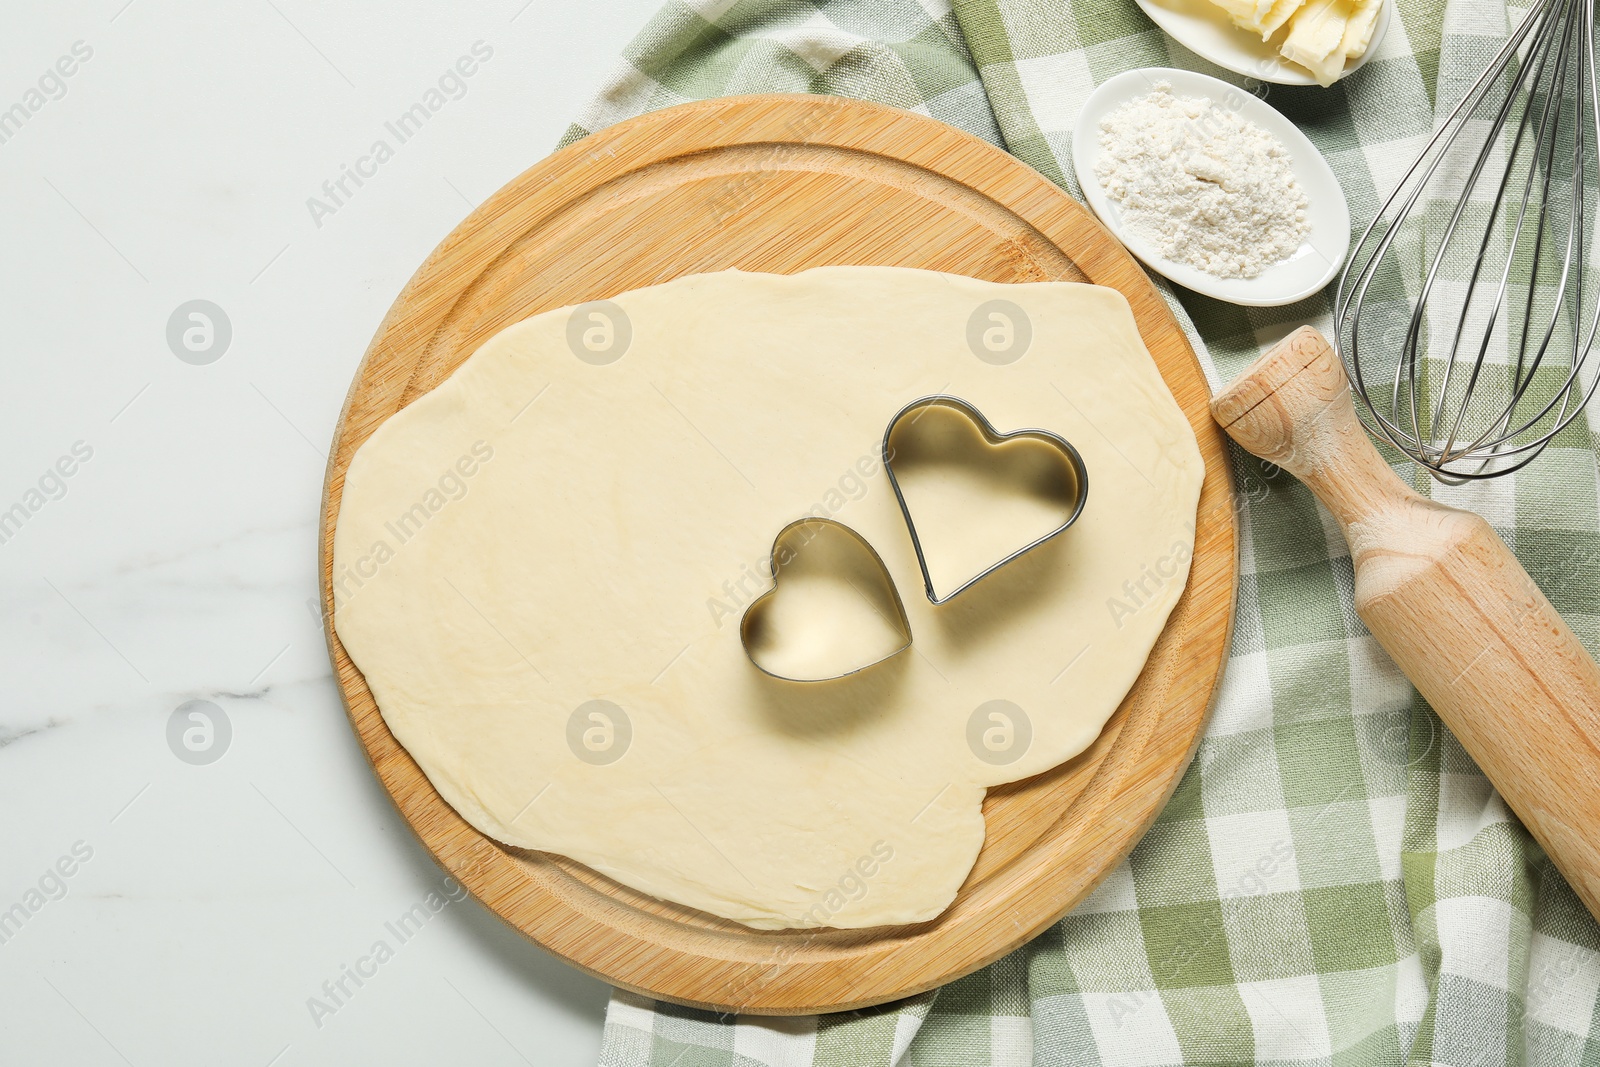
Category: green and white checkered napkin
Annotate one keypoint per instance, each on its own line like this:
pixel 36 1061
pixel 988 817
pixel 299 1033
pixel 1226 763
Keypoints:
pixel 1334 881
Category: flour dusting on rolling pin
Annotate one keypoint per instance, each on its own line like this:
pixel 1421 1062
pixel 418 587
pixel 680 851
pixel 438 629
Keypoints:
pixel 1206 187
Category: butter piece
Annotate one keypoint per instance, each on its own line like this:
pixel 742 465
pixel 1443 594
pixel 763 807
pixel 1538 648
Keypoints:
pixel 1316 38
pixel 1281 12
pixel 1358 31
pixel 1262 17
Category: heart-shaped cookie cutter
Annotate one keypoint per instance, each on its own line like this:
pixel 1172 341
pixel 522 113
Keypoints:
pixel 914 410
pixel 783 545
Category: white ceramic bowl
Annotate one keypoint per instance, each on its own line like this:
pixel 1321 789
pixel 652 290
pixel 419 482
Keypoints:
pixel 1204 29
pixel 1303 274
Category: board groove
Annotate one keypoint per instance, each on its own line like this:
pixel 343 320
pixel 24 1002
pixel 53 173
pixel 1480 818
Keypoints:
pixel 780 184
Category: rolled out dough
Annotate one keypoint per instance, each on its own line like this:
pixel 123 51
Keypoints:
pixel 540 568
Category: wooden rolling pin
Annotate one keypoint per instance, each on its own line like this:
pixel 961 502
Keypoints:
pixel 1446 599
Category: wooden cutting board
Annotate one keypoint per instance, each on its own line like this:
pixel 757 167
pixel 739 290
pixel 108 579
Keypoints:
pixel 780 184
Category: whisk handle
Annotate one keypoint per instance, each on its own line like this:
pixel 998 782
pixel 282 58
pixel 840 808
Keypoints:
pixel 1446 599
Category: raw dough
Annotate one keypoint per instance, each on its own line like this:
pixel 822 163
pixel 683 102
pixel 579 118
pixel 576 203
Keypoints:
pixel 545 598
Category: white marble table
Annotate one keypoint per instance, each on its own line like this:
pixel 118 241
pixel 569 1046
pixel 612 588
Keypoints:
pixel 158 518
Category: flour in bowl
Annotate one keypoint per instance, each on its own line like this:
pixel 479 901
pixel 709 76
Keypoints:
pixel 1206 187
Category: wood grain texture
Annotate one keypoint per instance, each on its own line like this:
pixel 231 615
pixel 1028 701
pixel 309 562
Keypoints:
pixel 781 184
pixel 1447 599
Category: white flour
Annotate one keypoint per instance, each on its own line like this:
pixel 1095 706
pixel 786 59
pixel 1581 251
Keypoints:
pixel 1206 187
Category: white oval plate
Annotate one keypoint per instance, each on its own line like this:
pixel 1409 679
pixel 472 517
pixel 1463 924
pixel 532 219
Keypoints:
pixel 1303 274
pixel 1204 29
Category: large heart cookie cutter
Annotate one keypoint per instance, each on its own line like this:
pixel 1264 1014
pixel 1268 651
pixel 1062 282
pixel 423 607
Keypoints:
pixel 902 436
pixel 838 554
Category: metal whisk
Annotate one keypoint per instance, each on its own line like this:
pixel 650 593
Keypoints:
pixel 1475 375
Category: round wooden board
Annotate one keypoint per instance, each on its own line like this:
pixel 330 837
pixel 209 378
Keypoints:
pixel 780 184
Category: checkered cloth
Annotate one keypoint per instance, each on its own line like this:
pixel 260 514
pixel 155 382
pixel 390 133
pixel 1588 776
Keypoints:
pixel 1334 881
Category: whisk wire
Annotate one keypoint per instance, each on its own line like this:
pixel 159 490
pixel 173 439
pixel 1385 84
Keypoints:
pixel 1507 152
pixel 1572 262
pixel 1347 309
pixel 1448 451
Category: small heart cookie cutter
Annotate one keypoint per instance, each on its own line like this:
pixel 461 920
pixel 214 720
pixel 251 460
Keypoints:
pixel 784 544
pixel 913 411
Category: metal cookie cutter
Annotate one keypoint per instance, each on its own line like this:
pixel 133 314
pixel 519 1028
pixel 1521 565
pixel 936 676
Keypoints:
pixel 949 419
pixel 835 549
